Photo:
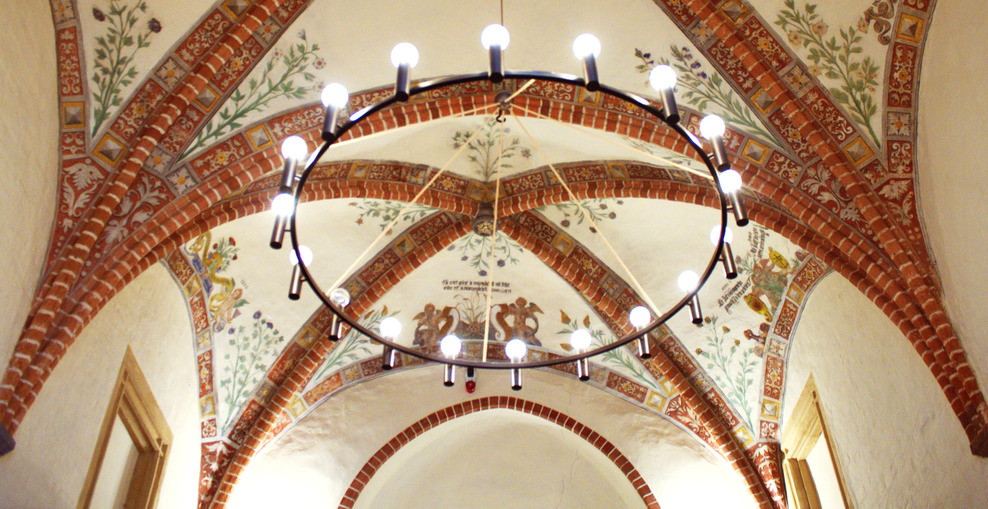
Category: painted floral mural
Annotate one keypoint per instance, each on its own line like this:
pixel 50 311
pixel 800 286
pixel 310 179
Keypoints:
pixel 840 58
pixel 125 31
pixel 287 73
pixel 701 89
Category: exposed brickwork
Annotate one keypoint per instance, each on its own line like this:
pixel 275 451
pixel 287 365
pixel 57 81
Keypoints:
pixel 614 311
pixel 489 403
pixel 875 253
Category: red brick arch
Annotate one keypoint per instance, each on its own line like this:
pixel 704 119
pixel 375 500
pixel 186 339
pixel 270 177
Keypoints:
pixel 932 336
pixel 896 277
pixel 465 408
pixel 762 213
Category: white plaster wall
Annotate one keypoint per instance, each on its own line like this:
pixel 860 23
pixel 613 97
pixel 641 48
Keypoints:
pixel 314 463
pixel 953 164
pixel 56 440
pixel 895 435
pixel 28 157
pixel 499 458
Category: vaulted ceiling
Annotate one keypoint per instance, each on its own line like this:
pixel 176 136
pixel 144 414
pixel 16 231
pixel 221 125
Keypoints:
pixel 172 115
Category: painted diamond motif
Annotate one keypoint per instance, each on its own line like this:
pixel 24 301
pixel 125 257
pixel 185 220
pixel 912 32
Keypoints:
pixel 207 98
pixel 170 73
pixel 900 124
pixel 182 180
pixel 158 162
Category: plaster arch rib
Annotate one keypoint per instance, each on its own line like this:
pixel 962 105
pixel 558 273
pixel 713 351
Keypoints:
pixel 459 410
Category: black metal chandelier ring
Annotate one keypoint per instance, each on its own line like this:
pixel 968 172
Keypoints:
pixel 730 201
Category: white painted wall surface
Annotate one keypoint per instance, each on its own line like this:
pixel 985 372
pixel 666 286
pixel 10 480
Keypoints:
pixel 315 462
pixel 894 433
pixel 500 458
pixel 56 440
pixel 29 158
pixel 953 168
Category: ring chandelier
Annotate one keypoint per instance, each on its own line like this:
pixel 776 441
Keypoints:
pixel 495 39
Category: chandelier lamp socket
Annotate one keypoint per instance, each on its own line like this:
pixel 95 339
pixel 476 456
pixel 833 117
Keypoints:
pixel 341 298
pixel 495 39
pixel 639 317
pixel 516 350
pixel 662 78
pixel 335 99
pixel 726 254
pixel 404 56
pixel 450 347
pixel 580 340
pixel 586 47
pixel 712 128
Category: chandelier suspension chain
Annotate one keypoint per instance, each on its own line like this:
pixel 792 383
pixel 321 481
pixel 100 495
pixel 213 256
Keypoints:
pixel 586 213
pixel 407 206
pixel 490 264
pixel 609 141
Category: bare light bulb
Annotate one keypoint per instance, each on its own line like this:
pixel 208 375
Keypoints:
pixel 495 35
pixel 585 45
pixel 335 95
pixel 306 255
pixel 450 346
pixel 404 53
pixel 283 205
pixel 730 181
pixel 639 317
pixel 340 297
pixel 580 339
pixel 390 327
pixel 715 235
pixel 294 148
pixel 662 77
pixel 516 349
pixel 688 281
pixel 712 127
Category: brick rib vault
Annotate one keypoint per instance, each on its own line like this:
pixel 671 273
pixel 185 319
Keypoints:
pixel 88 264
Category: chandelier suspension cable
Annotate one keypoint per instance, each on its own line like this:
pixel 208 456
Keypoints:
pixel 609 141
pixel 586 213
pixel 490 264
pixel 495 38
pixel 357 139
pixel 408 206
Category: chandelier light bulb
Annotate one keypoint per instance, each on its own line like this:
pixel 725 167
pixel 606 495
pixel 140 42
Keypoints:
pixel 639 317
pixel 688 281
pixel 335 95
pixel 730 181
pixel 712 126
pixel 294 148
pixel 340 297
pixel 450 346
pixel 715 235
pixel 306 255
pixel 283 205
pixel 580 339
pixel 404 53
pixel 495 35
pixel 585 45
pixel 662 77
pixel 516 349
pixel 390 328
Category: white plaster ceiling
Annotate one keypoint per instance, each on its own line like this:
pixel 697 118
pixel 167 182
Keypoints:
pixel 314 462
